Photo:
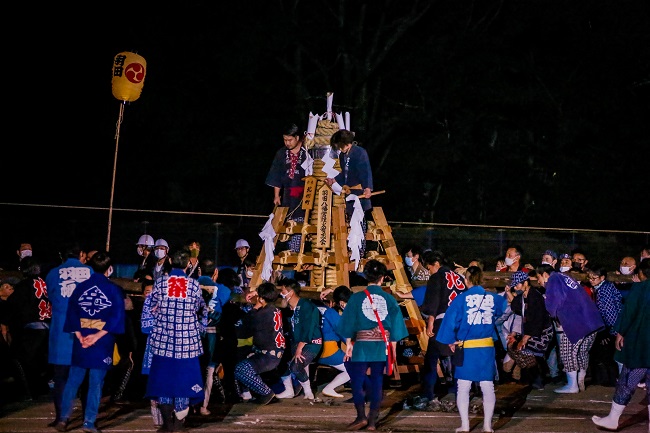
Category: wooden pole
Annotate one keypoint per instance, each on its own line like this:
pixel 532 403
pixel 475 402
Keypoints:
pixel 110 206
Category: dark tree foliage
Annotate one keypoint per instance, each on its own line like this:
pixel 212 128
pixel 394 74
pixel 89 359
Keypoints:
pixel 529 113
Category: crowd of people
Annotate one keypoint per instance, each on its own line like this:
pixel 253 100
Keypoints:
pixel 196 335
pixel 66 332
pixel 197 323
pixel 548 325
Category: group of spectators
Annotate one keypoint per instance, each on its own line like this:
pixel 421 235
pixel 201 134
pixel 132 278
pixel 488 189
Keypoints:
pixel 59 329
pixel 549 324
pixel 193 329
pixel 64 331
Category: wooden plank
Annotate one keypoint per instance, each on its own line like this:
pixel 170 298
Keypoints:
pixel 399 273
pixel 493 279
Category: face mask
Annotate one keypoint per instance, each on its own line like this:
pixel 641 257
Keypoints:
pixel 249 274
pixel 161 254
pixel 564 268
pixel 509 261
pixel 408 261
pixel 625 270
pixel 547 263
pixel 576 265
pixel 140 251
pixel 194 253
pixel 25 253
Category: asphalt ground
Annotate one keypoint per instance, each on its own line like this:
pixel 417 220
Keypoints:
pixel 519 408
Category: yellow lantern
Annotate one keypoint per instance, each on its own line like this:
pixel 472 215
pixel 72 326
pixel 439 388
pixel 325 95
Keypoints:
pixel 129 70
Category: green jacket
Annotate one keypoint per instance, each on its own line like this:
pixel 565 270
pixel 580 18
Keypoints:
pixel 634 324
pixel 358 316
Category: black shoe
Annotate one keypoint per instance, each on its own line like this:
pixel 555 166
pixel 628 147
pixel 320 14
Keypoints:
pixel 267 399
pixel 53 423
pixel 179 425
pixel 538 386
pixel 61 426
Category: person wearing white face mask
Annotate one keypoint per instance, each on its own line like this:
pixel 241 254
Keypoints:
pixel 513 260
pixel 163 264
pixel 565 262
pixel 242 247
pixel 553 358
pixel 549 258
pixel 247 274
pixel 609 301
pixel 24 250
pixel 144 248
pixel 632 350
pixel 307 341
pixel 417 272
pixel 627 266
pixel 580 319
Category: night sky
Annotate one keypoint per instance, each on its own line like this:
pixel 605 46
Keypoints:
pixel 530 113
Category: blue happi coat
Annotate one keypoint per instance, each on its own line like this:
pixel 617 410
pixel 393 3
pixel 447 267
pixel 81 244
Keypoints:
pixel 96 304
pixel 472 316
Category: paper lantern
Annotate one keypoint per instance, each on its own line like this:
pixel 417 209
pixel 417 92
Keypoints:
pixel 129 70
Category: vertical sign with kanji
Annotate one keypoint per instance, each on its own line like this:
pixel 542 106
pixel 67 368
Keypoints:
pixel 310 192
pixel 324 210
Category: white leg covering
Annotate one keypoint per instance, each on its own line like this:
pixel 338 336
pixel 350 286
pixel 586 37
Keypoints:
pixel 581 379
pixel 306 387
pixel 340 379
pixel 288 388
pixel 489 401
pixel 572 384
pixel 462 402
pixel 209 380
pixel 610 421
pixel 182 414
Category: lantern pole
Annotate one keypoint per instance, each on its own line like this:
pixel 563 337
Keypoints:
pixel 110 207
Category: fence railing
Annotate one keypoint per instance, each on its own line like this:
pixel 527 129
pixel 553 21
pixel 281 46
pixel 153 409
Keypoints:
pixel 47 227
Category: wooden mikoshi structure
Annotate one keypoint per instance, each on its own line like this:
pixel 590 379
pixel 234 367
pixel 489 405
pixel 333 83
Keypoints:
pixel 324 248
pixel 324 233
